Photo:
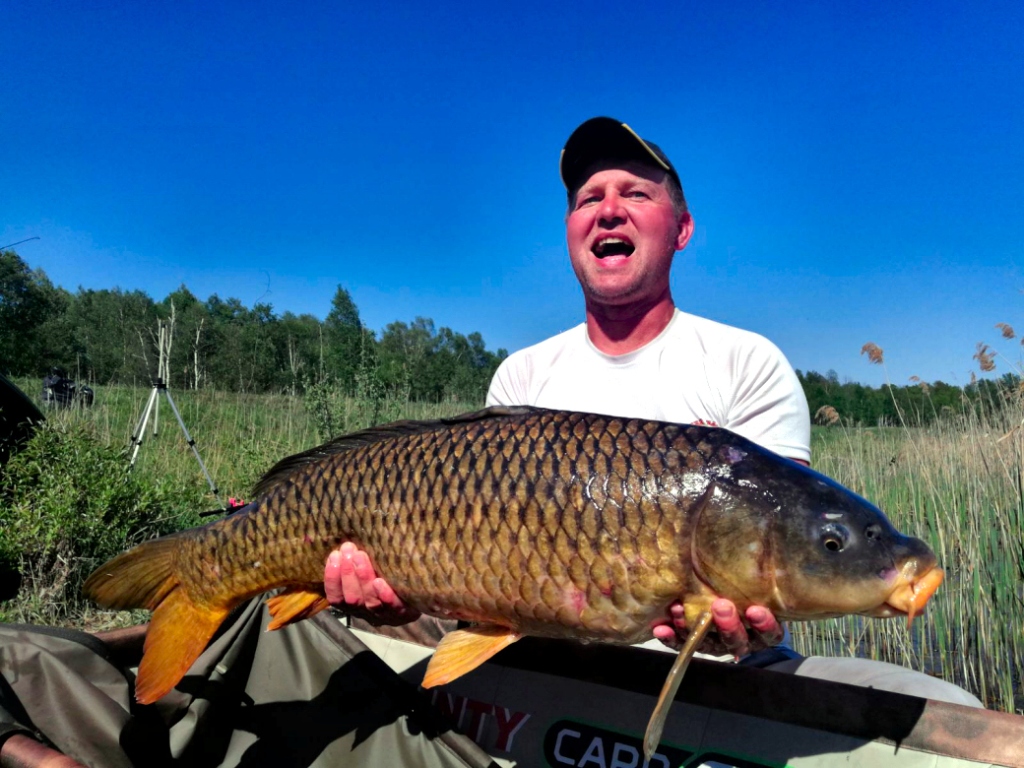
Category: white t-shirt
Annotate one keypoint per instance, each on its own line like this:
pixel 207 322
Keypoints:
pixel 696 371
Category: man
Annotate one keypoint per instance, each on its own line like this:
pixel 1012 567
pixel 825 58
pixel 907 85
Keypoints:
pixel 637 355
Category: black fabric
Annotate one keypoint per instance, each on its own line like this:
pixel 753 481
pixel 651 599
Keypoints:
pixel 18 418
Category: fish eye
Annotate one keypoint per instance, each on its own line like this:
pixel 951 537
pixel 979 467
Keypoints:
pixel 834 537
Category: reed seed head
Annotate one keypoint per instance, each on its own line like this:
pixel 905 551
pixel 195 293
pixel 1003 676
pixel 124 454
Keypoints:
pixel 874 353
pixel 826 416
pixel 985 357
pixel 922 384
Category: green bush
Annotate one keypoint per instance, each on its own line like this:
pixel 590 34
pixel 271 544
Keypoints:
pixel 69 502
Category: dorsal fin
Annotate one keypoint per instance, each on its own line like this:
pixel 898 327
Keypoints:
pixel 285 467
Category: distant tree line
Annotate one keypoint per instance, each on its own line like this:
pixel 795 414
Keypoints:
pixel 109 336
pixel 850 403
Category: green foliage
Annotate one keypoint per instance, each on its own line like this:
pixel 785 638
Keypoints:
pixel 322 402
pixel 346 338
pixel 29 307
pixel 302 342
pixel 110 337
pixel 111 332
pixel 435 365
pixel 69 502
pixel 917 404
pixel 374 401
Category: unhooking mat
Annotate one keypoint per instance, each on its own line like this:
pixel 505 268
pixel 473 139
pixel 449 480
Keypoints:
pixel 309 695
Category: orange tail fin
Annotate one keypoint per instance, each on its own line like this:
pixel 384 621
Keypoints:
pixel 144 577
pixel 139 578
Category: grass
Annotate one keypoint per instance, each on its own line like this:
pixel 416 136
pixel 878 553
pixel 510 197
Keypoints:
pixel 958 484
pixel 238 436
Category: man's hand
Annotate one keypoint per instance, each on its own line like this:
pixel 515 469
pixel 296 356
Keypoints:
pixel 733 637
pixel 351 584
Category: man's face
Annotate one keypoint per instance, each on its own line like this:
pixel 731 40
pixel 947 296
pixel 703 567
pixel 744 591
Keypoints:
pixel 622 232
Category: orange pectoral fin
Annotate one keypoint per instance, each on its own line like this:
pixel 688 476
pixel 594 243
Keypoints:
pixel 464 650
pixel 293 605
pixel 178 632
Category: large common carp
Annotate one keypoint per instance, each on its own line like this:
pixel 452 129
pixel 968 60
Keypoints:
pixel 526 521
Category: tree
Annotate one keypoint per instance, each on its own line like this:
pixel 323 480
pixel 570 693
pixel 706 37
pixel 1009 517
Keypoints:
pixel 436 365
pixel 301 335
pixel 344 339
pixel 261 362
pixel 402 350
pixel 55 342
pixel 27 301
pixel 227 362
pixel 112 334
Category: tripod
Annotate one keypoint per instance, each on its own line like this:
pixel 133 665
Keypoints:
pixel 153 408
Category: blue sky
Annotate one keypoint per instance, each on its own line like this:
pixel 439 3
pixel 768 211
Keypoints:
pixel 854 169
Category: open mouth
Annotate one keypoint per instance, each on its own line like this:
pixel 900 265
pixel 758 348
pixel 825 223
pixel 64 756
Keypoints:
pixel 612 246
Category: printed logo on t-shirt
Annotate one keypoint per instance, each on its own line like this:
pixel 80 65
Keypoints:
pixel 705 423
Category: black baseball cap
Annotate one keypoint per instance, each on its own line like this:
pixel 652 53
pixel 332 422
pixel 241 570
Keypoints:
pixel 605 138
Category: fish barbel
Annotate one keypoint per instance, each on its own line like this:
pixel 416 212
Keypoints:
pixel 527 521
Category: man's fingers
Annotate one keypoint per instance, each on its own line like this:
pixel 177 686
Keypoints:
pixel 730 628
pixel 732 635
pixel 351 576
pixel 332 579
pixel 365 576
pixel 387 595
pixel 341 585
pixel 765 624
pixel 667 634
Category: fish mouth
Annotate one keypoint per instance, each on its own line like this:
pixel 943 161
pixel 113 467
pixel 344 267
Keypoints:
pixel 912 592
pixel 612 245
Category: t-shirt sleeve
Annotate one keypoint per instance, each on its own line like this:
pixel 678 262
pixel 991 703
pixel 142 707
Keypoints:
pixel 768 404
pixel 508 385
